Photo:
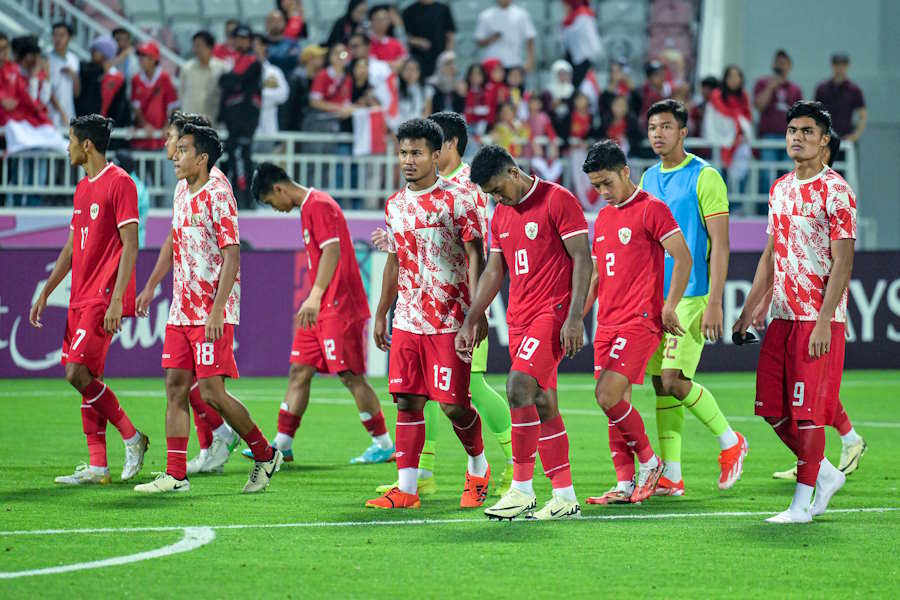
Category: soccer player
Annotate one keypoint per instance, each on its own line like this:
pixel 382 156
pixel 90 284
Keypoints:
pixel 331 322
pixel 215 437
pixel 807 263
pixel 204 312
pixel 695 193
pixel 539 230
pixel 853 446
pixel 101 252
pixel 490 405
pixel 436 257
pixel 632 234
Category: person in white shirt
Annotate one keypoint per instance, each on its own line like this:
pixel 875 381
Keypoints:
pixel 506 32
pixel 275 89
pixel 200 90
pixel 65 82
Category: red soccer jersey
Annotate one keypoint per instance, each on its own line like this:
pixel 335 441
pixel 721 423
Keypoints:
pixel 530 235
pixel 324 224
pixel 630 260
pixel 101 206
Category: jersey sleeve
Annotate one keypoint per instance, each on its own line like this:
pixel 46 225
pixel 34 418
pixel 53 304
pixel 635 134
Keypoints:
pixel 125 201
pixel 659 222
pixel 324 223
pixel 391 242
pixel 495 236
pixel 841 208
pixel 712 193
pixel 770 219
pixel 223 210
pixel 567 215
pixel 466 216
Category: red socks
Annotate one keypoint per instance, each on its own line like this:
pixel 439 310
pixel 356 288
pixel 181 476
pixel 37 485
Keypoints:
pixel 288 422
pixel 553 446
pixel 258 445
pixel 94 425
pixel 98 395
pixel 526 427
pixel 176 457
pixel 469 432
pixel 630 424
pixel 622 455
pixel 374 425
pixel 841 421
pixel 410 438
pixel 807 442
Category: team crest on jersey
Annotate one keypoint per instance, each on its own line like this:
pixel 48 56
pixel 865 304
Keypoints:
pixel 306 236
pixel 95 210
pixel 531 230
pixel 625 235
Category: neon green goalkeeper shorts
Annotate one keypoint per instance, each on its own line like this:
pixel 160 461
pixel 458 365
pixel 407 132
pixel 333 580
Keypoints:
pixel 479 357
pixel 682 352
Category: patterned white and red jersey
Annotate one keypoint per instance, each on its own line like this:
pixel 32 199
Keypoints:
pixel 461 176
pixel 427 230
pixel 805 216
pixel 202 224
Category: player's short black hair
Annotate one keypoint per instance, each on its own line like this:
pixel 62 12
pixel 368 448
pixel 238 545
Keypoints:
pixel 93 127
pixel 674 107
pixel 490 161
pixel 206 36
pixel 206 141
pixel 64 25
pixel 812 109
pixel 453 125
pixel 421 129
pixel 834 146
pixel 179 119
pixel 604 156
pixel 264 179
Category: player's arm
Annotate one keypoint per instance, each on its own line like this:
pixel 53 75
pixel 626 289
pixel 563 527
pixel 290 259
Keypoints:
pixel 681 273
pixel 488 287
pixel 309 310
pixel 592 289
pixel 160 269
pixel 763 280
pixel 128 233
pixel 475 255
pixel 572 334
pixel 711 324
pixel 60 270
pixel 388 295
pixel 842 252
pixel 231 262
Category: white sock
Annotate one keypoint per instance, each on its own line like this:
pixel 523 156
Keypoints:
pixel 566 493
pixel 134 439
pixel 826 471
pixel 478 465
pixel 672 471
pixel 363 416
pixel 802 497
pixel 283 441
pixel 727 439
pixel 99 470
pixel 525 487
pixel 224 432
pixel 851 437
pixel 425 474
pixel 407 480
pixel 203 453
pixel 650 464
pixel 626 486
pixel 384 441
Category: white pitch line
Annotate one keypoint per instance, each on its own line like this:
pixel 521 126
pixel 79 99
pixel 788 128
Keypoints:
pixel 410 522
pixel 194 537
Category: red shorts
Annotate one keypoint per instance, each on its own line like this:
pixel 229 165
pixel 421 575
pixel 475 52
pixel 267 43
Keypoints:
pixel 85 341
pixel 186 348
pixel 789 382
pixel 427 365
pixel 536 350
pixel 625 350
pixel 331 346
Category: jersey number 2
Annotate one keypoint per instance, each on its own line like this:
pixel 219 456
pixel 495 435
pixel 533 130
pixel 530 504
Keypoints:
pixel 610 261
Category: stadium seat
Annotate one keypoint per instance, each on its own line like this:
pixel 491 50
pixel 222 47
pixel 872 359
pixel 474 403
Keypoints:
pixel 183 32
pixel 220 9
pixel 181 8
pixel 135 9
pixel 251 9
pixel 622 12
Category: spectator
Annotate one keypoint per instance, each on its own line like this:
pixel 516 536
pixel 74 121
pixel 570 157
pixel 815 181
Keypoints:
pixel 5 63
pixel 581 122
pixel 239 112
pixel 508 132
pixel 113 93
pixel 381 77
pixel 539 124
pixel 38 73
pixel 385 45
pixel 126 60
pixel 772 97
pixel 580 38
pixel 64 80
pixel 515 92
pixel 126 161
pixel 283 50
pixel 545 162
pixel 332 91
pixel 294 112
pixel 153 97
pixel 90 76
pixel 477 110
pixel 844 100
pixel 25 83
pixel 655 88
pixel 429 32
pixel 622 126
pixel 698 106
pixel 729 102
pixel 618 84
pixel 495 90
pixel 561 90
pixel 362 94
pixel 411 96
pixel 504 31
pixel 200 78
pixel 227 51
pixel 275 90
pixel 353 21
pixel 443 91
pixel 295 27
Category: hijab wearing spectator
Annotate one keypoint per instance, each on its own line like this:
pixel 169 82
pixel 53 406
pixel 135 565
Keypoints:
pixel 444 78
pixel 560 86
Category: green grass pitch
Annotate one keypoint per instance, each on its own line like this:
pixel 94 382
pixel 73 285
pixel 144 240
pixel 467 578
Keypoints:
pixel 309 536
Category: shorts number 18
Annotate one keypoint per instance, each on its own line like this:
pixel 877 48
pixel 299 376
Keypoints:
pixel 205 353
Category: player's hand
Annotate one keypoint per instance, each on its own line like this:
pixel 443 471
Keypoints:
pixel 481 329
pixel 712 322
pixel 379 332
pixel 671 324
pixel 380 239
pixel 112 320
pixel 743 323
pixel 820 340
pixel 465 341
pixel 34 317
pixel 309 312
pixel 215 326
pixel 572 336
pixel 760 312
pixel 142 302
